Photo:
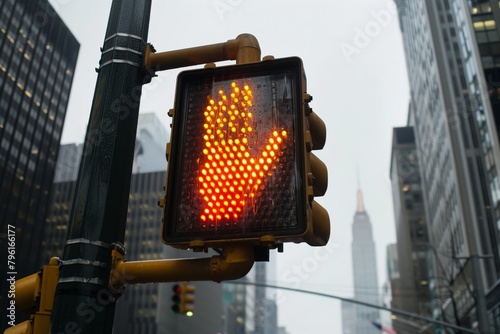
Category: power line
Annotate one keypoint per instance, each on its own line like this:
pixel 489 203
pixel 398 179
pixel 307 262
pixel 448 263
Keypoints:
pixel 395 311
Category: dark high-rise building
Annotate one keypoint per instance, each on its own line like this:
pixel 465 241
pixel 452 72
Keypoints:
pixel 411 292
pixel 143 308
pixel 38 55
pixel 391 290
pixel 485 17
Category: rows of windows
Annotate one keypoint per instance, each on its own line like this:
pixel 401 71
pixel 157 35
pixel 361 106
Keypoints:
pixel 34 85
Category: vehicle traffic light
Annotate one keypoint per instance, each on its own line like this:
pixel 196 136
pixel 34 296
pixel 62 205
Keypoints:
pixel 183 299
pixel 240 165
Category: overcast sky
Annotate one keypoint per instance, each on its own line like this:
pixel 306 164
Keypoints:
pixel 353 57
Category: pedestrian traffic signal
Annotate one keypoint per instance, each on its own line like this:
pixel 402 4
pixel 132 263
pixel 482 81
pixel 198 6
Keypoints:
pixel 240 167
pixel 183 299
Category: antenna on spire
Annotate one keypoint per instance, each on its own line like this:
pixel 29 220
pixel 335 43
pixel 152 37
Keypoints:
pixel 361 207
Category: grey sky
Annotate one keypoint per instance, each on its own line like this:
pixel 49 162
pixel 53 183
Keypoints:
pixel 356 73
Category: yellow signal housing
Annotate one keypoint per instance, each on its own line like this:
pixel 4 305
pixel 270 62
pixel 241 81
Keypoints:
pixel 240 167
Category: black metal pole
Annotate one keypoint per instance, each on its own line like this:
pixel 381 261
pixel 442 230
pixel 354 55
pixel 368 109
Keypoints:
pixel 83 301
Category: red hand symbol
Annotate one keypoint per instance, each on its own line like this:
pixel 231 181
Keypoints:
pixel 228 175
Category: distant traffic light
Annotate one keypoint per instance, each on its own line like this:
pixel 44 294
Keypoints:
pixel 240 167
pixel 183 299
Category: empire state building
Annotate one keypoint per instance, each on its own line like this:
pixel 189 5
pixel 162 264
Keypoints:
pixel 364 270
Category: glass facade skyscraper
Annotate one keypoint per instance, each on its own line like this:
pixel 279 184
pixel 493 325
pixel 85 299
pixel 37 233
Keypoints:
pixel 37 60
pixel 38 56
pixel 452 50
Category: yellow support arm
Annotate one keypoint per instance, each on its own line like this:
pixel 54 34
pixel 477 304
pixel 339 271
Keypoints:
pixel 233 263
pixel 244 49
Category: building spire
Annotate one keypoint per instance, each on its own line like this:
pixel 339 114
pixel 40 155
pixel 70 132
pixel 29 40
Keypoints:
pixel 361 207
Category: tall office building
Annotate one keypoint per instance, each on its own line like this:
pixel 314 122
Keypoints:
pixel 239 305
pixel 265 317
pixel 143 308
pixel 348 317
pixel 365 276
pixel 391 289
pixel 38 55
pixel 449 45
pixel 414 254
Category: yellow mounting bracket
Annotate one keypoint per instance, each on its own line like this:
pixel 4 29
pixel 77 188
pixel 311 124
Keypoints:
pixel 244 49
pixel 233 263
pixel 36 292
